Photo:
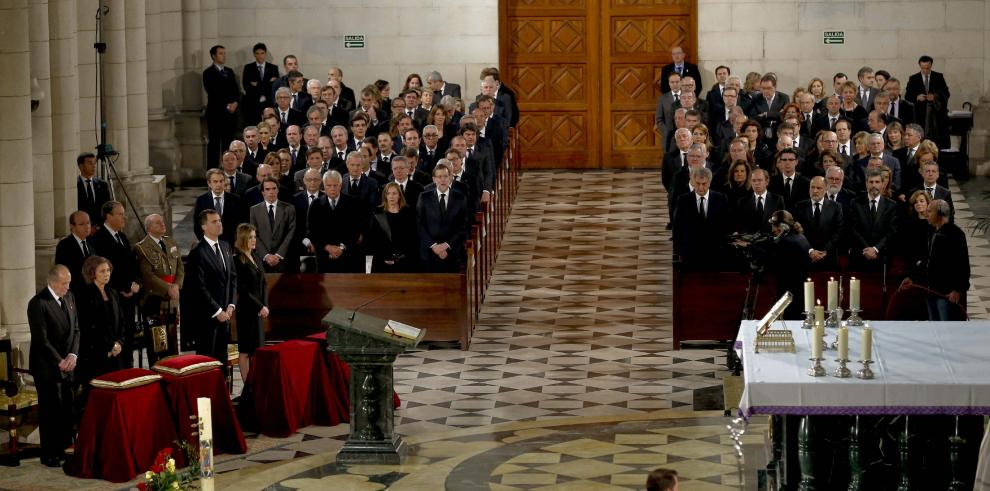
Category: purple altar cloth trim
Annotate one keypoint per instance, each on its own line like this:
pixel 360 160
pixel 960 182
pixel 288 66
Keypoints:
pixel 867 410
pixel 738 345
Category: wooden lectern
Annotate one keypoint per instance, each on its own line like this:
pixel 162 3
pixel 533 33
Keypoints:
pixel 369 345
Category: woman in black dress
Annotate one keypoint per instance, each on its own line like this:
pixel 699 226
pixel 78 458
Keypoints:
pixel 251 297
pixel 101 322
pixel 736 184
pixel 392 235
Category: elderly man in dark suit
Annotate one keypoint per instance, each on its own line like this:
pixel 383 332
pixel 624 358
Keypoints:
pixel 680 67
pixel 442 219
pixel 91 191
pixel 359 186
pixel 873 221
pixel 237 182
pixel 207 294
pixel 73 250
pixel 257 79
pixel 112 243
pixel 222 97
pixel 275 222
pixel 54 351
pixel 822 221
pixel 899 108
pixel 440 87
pixel 336 222
pixel 401 169
pixel 701 223
pixel 227 204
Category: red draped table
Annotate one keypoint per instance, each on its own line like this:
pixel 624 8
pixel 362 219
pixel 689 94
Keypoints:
pixel 340 374
pixel 121 432
pixel 292 389
pixel 182 394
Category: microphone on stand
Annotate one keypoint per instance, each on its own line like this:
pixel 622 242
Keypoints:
pixel 373 300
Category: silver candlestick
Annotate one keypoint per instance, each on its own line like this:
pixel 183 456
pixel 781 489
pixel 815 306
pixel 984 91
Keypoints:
pixel 816 370
pixel 865 373
pixel 834 318
pixel 854 319
pixel 809 320
pixel 841 371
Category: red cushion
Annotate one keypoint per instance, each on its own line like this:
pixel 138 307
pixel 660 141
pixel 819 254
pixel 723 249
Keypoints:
pixel 125 379
pixel 181 365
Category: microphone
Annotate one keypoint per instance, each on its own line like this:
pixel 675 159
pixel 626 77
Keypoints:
pixel 373 300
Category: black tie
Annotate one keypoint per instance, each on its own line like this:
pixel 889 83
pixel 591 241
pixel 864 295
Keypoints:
pixel 285 118
pixel 443 203
pixel 402 188
pixel 65 309
pixel 354 187
pixel 701 208
pixel 340 155
pixel 759 206
pixel 787 186
pixel 818 213
pixel 218 205
pixel 85 249
pixel 831 122
pixel 161 243
pixel 261 72
pixel 120 240
pixel 831 198
pixel 385 159
pixel 90 195
pixel 333 204
pixel 312 198
pixel 873 208
pixel 293 156
pixel 216 249
pixel 843 151
pixel 931 193
pixel 910 154
pixel 271 216
pixel 231 182
pixel 677 98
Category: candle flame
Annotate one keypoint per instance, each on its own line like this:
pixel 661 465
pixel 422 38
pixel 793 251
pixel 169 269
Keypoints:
pixel 819 301
pixel 809 280
pixel 831 278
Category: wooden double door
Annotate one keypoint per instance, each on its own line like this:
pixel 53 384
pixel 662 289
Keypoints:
pixel 585 73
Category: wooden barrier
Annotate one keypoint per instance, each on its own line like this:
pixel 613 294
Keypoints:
pixel 708 306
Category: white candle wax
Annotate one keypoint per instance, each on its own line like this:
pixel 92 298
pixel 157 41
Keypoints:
pixel 854 294
pixel 833 294
pixel 203 409
pixel 843 343
pixel 809 295
pixel 818 335
pixel 819 313
pixel 867 344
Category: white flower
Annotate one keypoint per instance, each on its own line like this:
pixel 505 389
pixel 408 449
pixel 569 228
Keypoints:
pixel 175 485
pixel 170 465
pixel 149 475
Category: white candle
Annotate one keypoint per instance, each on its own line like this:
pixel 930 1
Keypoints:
pixel 853 294
pixel 867 343
pixel 809 295
pixel 819 314
pixel 833 294
pixel 818 335
pixel 843 343
pixel 205 444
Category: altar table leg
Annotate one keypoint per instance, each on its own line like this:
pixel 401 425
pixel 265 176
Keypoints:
pixel 806 454
pixel 855 461
pixel 904 452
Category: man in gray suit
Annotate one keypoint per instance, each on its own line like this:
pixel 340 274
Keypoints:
pixel 276 224
pixel 866 94
pixel 664 116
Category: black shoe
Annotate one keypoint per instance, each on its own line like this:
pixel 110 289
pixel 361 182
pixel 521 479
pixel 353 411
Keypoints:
pixel 51 461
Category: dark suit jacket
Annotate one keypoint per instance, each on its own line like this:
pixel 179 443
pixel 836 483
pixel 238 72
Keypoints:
pixel 53 334
pixel 102 191
pixel 864 231
pixel 799 189
pixel 301 203
pixel 447 89
pixel 303 102
pixel 242 182
pixel 947 265
pixel 672 163
pixel 759 107
pixel 905 110
pixel 438 228
pixel 98 334
pixel 845 200
pixel 68 254
pixel 233 215
pixel 335 226
pixel 482 162
pixel 277 240
pixel 941 192
pixel 367 192
pixel 295 117
pixel 347 94
pixel 122 258
pixel 220 91
pixel 916 86
pixel 822 122
pixel 698 242
pixel 870 97
pixel 209 284
pixel 827 233
pixel 412 192
pixel 256 86
pixel 690 70
pixel 748 221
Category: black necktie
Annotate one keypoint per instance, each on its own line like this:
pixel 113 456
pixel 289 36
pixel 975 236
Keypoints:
pixel 312 198
pixel 261 72
pixel 701 208
pixel 216 249
pixel 85 249
pixel 931 193
pixel 333 204
pixel 873 208
pixel 340 155
pixel 285 118
pixel 843 150
pixel 354 186
pixel 402 188
pixel 677 98
pixel 759 206
pixel 831 198
pixel 161 243
pixel 120 239
pixel 385 159
pixel 910 154
pixel 90 195
pixel 232 181
pixel 271 216
pixel 443 203
pixel 831 122
pixel 65 309
pixel 787 186
pixel 218 205
pixel 293 156
pixel 818 213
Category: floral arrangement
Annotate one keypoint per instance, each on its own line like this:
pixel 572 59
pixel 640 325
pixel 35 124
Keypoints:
pixel 163 475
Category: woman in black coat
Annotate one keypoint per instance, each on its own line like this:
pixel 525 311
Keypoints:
pixel 789 259
pixel 392 235
pixel 252 300
pixel 101 322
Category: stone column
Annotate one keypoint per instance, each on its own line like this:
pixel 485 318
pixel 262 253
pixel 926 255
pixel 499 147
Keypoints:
pixel 64 96
pixel 17 284
pixel 41 141
pixel 162 35
pixel 979 136
pixel 115 85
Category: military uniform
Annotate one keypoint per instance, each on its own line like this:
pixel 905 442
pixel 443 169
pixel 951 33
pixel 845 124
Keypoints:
pixel 160 267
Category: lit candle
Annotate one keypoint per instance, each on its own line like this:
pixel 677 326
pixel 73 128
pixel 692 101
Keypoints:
pixel 843 343
pixel 809 295
pixel 203 407
pixel 819 313
pixel 853 294
pixel 818 336
pixel 833 294
pixel 867 343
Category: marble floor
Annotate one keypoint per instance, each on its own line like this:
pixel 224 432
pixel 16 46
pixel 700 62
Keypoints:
pixel 571 381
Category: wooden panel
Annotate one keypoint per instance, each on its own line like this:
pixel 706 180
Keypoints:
pixel 544 84
pixel 648 35
pixel 523 4
pixel 633 131
pixel 650 3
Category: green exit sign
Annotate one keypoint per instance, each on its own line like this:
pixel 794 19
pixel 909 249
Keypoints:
pixel 834 37
pixel 354 41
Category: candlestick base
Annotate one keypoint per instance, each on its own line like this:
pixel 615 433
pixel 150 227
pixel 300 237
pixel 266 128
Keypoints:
pixel 816 370
pixel 854 319
pixel 809 319
pixel 834 318
pixel 841 371
pixel 865 373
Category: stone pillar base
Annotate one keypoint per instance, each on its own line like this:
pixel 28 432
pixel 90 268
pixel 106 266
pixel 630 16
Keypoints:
pixel 372 453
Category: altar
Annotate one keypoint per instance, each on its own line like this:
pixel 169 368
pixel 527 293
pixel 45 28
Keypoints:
pixel 920 416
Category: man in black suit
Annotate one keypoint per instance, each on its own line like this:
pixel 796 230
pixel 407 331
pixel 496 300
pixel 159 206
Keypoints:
pixel 339 149
pixel 400 175
pixel 227 204
pixel 275 221
pixel 663 118
pixel 336 222
pixel 479 158
pixel 377 118
pixel 701 222
pixel 714 97
pixel 463 181
pixel 753 210
pixel 432 153
pixel 237 181
pixel 501 107
pixel 827 119
pixel 788 183
pixel 906 156
pixel 442 220
pixel 809 116
pixel 54 350
pixel 362 188
pixel 286 114
pixel 72 250
pixel 207 293
pixel 873 221
pixel 768 104
pixel 503 94
pixel 690 102
pixel 930 175
pixel 303 202
pixel 680 67
pixel 492 126
pixel 346 93
pixel 112 243
pixel 222 97
pixel 440 87
pixel 243 164
pixel 91 191
pixel 257 79
pixel 289 64
pixel 300 100
pixel 866 93
pixel 835 178
pixel 899 108
pixel 339 102
pixel 945 269
pixel 674 160
pixel 413 109
pixel 822 221
pixel 929 93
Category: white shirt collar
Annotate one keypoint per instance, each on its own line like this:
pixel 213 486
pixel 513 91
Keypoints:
pixel 447 193
pixel 274 203
pixel 156 239
pixel 698 198
pixel 761 195
pixel 212 243
pixel 792 176
pixel 58 298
